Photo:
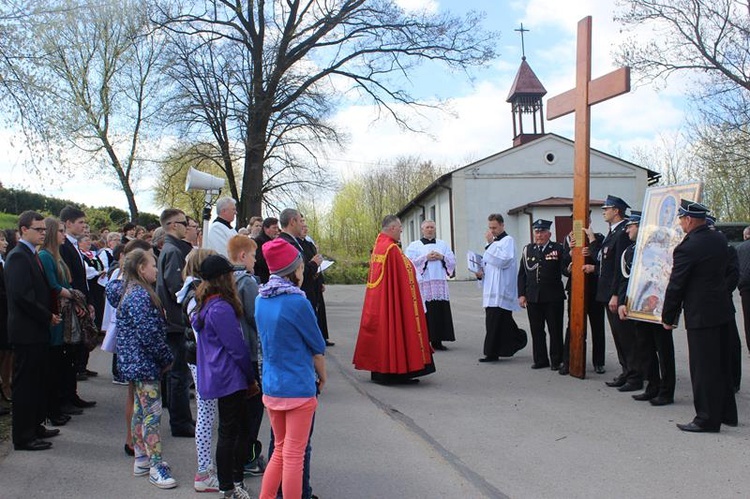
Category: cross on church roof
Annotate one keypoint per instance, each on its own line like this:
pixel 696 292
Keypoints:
pixel 522 30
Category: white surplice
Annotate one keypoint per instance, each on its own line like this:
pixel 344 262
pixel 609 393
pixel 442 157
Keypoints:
pixel 432 276
pixel 500 275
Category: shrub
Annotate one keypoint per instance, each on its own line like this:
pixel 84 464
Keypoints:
pixel 347 272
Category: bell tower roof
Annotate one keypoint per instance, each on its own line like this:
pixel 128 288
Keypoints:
pixel 526 83
pixel 525 100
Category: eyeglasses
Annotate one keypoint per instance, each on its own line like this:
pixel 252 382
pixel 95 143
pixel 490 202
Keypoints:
pixel 181 222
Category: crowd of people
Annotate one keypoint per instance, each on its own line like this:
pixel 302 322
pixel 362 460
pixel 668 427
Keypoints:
pixel 241 320
pixel 406 314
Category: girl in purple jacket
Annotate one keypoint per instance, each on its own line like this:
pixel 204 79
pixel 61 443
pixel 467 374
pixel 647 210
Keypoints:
pixel 225 371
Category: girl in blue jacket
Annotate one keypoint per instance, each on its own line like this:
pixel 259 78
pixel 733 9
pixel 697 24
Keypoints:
pixel 142 357
pixel 293 366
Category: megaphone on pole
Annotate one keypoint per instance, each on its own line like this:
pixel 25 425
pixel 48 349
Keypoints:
pixel 200 181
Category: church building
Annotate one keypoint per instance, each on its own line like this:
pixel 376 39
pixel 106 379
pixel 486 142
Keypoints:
pixel 532 179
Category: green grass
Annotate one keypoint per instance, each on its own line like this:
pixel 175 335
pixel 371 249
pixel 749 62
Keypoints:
pixel 8 221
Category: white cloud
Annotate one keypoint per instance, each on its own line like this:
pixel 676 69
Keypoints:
pixel 430 6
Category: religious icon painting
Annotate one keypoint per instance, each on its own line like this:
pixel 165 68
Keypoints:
pixel 658 234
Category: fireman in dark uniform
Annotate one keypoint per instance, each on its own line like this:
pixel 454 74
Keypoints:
pixel 609 255
pixel 654 346
pixel 541 293
pixel 697 286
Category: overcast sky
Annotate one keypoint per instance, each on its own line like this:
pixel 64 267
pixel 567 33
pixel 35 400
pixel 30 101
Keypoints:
pixel 476 121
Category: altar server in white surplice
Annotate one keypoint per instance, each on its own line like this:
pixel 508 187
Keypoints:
pixel 434 262
pixel 500 298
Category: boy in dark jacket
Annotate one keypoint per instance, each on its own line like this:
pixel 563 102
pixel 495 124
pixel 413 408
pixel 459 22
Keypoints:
pixel 241 250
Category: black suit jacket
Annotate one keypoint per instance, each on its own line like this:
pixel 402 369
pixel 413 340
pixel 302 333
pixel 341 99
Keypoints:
pixel 544 283
pixel 29 298
pixel 261 267
pixel 72 258
pixel 311 268
pixel 609 255
pixel 698 281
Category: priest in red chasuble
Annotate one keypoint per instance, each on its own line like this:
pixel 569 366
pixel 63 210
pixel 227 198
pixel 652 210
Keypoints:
pixel 393 341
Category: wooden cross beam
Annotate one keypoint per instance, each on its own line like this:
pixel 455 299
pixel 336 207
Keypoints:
pixel 579 100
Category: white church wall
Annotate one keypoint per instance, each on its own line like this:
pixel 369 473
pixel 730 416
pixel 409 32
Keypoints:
pixel 532 172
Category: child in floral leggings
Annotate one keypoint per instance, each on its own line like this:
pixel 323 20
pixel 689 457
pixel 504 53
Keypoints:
pixel 142 357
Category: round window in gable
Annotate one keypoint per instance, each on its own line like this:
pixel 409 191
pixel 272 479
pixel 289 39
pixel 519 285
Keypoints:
pixel 550 158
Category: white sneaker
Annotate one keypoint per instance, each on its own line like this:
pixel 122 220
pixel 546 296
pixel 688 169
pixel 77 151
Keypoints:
pixel 141 467
pixel 236 493
pixel 161 476
pixel 206 482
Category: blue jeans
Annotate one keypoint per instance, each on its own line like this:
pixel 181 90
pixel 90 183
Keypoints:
pixel 306 488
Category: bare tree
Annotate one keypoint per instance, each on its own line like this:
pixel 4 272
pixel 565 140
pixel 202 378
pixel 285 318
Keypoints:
pixel 100 64
pixel 672 155
pixel 301 56
pixel 708 42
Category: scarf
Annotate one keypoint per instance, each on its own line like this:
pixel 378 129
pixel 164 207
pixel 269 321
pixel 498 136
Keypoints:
pixel 279 286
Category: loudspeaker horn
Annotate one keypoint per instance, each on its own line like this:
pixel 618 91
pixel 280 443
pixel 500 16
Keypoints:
pixel 200 181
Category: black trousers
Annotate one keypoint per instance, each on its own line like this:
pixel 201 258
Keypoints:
pixel 54 380
pixel 595 313
pixel 746 316
pixel 735 354
pixel 623 332
pixel 320 314
pixel 655 358
pixel 177 386
pixel 665 353
pixel 232 444
pixel 68 383
pixel 30 372
pixel 713 394
pixel 503 337
pixel 255 416
pixel 551 314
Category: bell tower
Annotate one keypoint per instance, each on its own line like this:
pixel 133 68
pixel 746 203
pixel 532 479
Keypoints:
pixel 525 98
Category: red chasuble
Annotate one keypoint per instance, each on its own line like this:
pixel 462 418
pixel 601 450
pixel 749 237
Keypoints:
pixel 393 335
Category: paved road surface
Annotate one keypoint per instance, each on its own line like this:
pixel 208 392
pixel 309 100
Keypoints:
pixel 468 431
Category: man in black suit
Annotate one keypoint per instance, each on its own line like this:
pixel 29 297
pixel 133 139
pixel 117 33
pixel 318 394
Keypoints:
pixel 168 282
pixel 30 316
pixel 541 293
pixel 292 225
pixel 698 286
pixel 594 309
pixel 76 356
pixel 609 255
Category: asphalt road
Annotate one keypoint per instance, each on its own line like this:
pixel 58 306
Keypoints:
pixel 468 431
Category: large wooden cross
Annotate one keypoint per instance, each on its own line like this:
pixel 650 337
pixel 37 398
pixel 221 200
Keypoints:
pixel 579 100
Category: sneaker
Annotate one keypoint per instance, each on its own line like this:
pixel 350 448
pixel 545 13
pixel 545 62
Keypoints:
pixel 161 476
pixel 256 467
pixel 141 467
pixel 206 482
pixel 236 493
